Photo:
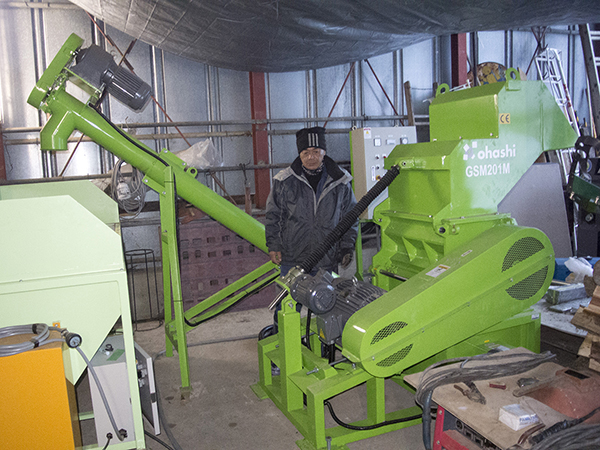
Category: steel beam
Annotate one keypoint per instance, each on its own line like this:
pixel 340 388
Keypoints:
pixel 260 137
pixel 458 50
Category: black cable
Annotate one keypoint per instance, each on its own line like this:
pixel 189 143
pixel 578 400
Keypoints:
pixel 348 220
pixel 132 141
pixel 109 436
pixel 308 317
pixel 164 421
pixel 560 426
pixel 367 427
pixel 164 444
pixel 580 437
pixel 261 286
pixel 426 425
pixel 498 364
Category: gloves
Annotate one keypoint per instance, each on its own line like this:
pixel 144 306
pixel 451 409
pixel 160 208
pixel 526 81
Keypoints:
pixel 346 260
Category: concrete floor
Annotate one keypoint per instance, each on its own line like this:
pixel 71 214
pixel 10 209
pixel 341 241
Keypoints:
pixel 224 413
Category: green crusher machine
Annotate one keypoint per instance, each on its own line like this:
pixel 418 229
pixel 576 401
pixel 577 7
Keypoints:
pixel 453 277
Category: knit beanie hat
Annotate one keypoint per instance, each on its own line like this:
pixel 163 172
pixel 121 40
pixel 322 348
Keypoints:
pixel 311 137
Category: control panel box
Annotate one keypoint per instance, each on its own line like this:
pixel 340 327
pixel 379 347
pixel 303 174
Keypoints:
pixel 110 365
pixel 370 147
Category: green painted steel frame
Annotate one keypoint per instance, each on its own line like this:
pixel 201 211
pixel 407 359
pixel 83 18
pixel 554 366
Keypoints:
pixel 304 374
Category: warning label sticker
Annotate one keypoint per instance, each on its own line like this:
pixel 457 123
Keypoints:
pixel 436 272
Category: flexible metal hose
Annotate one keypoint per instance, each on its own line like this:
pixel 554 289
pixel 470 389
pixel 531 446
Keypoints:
pixel 348 220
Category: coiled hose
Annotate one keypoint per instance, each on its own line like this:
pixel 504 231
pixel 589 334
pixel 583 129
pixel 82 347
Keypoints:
pixel 348 220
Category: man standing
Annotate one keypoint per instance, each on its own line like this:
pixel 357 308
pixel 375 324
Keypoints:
pixel 306 202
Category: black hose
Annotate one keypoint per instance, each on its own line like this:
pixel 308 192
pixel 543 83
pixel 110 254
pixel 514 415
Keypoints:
pixel 207 315
pixel 132 141
pixel 559 426
pixel 426 426
pixel 367 427
pixel 164 444
pixel 348 220
pixel 308 317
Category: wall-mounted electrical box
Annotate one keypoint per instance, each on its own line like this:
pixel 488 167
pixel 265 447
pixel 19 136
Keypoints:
pixel 370 147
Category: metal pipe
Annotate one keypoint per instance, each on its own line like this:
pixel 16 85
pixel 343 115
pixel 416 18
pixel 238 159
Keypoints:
pixel 104 175
pixel 2 161
pixel 35 5
pixel 148 137
pixel 424 117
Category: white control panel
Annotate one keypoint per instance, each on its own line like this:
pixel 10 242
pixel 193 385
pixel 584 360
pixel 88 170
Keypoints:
pixel 370 147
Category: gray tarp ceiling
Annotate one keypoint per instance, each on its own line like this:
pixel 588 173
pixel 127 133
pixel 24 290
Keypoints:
pixel 292 35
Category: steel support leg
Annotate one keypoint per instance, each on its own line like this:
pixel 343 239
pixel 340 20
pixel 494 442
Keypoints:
pixel 172 279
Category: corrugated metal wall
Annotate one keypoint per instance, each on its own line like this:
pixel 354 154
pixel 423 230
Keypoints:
pixel 216 102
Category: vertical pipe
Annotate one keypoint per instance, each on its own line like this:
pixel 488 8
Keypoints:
pixel 458 55
pixel 217 116
pixel 308 111
pixel 315 94
pixel 361 91
pixel 107 159
pixel 396 93
pixel 571 60
pixel 474 57
pixel 403 99
pixel 2 161
pixel 260 137
pixel 38 70
pixel 353 96
pixel 271 172
pixel 508 49
pixel 209 113
pixel 157 74
pixel 435 63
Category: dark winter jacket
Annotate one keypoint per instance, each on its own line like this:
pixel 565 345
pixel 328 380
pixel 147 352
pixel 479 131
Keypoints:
pixel 297 221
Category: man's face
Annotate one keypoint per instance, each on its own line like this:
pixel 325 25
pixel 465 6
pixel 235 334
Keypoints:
pixel 312 157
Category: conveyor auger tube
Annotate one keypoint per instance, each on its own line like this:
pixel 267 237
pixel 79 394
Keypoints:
pixel 69 114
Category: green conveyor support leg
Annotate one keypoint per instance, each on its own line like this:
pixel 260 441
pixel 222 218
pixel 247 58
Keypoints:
pixel 167 298
pixel 173 278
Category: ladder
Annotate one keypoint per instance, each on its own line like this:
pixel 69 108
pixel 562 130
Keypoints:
pixel 592 62
pixel 550 70
pixel 549 66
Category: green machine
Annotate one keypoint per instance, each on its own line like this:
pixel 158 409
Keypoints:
pixel 453 278
pixel 62 262
pixel 94 70
pixel 453 275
